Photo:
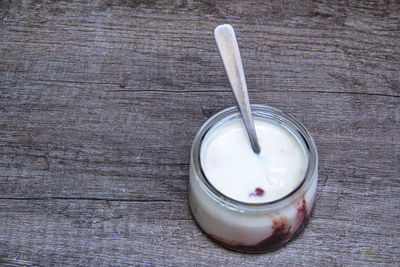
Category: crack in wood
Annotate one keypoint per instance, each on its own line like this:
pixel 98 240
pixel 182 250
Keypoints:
pixel 87 199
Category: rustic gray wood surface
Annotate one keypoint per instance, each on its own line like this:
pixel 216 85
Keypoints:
pixel 100 101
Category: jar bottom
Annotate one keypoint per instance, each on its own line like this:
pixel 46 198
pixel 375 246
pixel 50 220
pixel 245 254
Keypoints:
pixel 280 236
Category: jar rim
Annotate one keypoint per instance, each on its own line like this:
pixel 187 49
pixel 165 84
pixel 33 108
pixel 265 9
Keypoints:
pixel 282 119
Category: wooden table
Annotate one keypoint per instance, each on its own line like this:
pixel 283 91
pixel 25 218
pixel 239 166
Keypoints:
pixel 100 101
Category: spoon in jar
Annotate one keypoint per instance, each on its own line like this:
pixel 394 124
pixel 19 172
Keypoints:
pixel 229 51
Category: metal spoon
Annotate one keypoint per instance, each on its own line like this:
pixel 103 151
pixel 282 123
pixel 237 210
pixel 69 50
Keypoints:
pixel 229 51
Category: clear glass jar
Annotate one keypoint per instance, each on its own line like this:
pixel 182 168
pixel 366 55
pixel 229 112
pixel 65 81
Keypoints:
pixel 248 227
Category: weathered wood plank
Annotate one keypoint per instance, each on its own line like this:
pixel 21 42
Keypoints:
pixel 133 147
pixel 85 232
pixel 146 50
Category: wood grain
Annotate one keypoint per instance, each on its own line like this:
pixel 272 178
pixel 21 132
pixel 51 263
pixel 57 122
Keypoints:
pixel 100 101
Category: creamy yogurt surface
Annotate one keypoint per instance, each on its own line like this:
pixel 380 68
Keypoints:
pixel 232 167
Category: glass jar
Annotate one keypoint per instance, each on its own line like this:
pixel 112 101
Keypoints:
pixel 249 227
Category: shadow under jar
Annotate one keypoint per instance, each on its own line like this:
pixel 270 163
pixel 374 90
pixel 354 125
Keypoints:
pixel 253 227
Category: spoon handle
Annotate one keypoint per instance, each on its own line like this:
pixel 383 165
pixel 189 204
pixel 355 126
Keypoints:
pixel 229 51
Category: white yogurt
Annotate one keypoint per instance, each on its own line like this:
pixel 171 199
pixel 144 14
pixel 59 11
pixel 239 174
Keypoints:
pixel 232 167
